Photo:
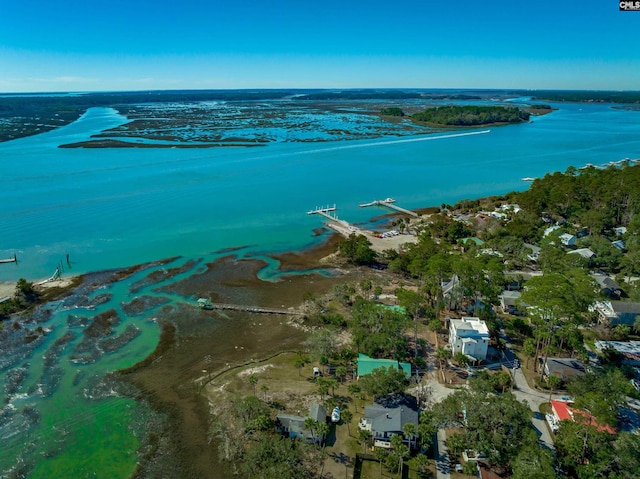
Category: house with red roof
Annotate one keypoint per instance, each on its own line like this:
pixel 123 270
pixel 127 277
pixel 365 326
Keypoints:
pixel 562 411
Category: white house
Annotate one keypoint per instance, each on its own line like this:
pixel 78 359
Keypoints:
pixel 568 239
pixel 469 336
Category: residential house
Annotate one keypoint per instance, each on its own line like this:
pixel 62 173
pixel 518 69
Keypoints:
pixel 550 230
pixel 473 239
pixel 586 253
pixel 535 252
pixel 607 285
pixel 616 312
pixel 508 302
pixel 562 411
pixel 618 244
pixel 452 292
pixel 388 416
pixel 568 239
pixel 367 365
pixel 292 426
pixel 629 351
pixel 564 368
pixel 469 336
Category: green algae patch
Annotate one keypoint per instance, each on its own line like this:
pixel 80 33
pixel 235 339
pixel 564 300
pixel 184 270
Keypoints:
pixel 100 443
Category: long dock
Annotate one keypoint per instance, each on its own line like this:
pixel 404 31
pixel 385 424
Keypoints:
pixel 389 203
pixel 250 309
pixel 10 260
pixel 321 210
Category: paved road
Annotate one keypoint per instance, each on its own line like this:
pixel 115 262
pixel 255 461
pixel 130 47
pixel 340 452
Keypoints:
pixel 436 392
pixel 442 457
pixel 532 397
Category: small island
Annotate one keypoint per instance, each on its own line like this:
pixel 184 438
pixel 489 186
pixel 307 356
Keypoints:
pixel 470 115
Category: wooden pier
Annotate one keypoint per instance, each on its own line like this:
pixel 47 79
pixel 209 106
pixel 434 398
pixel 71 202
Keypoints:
pixel 336 224
pixel 389 203
pixel 10 260
pixel 248 309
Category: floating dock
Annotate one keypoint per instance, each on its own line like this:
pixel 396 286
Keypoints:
pixel 322 209
pixel 389 203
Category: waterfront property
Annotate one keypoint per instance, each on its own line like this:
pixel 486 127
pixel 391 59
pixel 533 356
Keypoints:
pixel 469 336
pixel 388 416
pixel 293 426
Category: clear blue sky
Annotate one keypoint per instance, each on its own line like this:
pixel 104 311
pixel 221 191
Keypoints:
pixel 81 45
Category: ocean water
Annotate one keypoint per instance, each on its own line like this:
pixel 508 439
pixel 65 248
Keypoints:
pixel 110 208
pixel 117 207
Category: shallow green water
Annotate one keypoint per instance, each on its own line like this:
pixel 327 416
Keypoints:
pixel 114 207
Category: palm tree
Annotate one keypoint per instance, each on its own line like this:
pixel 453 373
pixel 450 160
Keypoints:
pixel 341 372
pixel 399 450
pixel 470 468
pixel 380 455
pixel 347 416
pixel 311 424
pixel 422 463
pixel 322 429
pixel 264 388
pixel 354 390
pixel 554 383
pixel 409 431
pixel 364 436
pixel 253 380
pixel 442 354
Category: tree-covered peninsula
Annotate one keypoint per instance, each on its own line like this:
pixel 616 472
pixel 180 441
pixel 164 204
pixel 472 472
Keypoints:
pixel 470 115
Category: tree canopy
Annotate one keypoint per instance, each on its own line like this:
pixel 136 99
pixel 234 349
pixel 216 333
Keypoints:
pixel 471 115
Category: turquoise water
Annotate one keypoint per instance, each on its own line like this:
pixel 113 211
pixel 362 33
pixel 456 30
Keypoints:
pixel 108 208
pixel 115 207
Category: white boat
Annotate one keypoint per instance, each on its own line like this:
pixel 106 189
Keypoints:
pixel 528 178
pixel 335 414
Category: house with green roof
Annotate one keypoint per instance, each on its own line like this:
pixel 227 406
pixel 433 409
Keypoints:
pixel 367 365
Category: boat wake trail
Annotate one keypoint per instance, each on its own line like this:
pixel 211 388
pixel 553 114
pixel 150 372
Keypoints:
pixel 395 142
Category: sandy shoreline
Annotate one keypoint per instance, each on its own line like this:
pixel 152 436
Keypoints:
pixel 8 288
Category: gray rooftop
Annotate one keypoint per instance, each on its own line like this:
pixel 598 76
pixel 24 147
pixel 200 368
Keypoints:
pixel 392 416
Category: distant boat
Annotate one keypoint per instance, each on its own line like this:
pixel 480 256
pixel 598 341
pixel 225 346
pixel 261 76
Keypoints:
pixel 528 178
pixel 335 414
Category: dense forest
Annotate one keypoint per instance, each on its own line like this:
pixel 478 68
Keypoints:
pixel 599 199
pixel 471 115
pixel 589 96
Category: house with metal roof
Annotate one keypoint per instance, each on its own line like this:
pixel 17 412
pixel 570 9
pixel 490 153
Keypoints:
pixel 469 336
pixel 388 417
pixel 293 425
pixel 367 365
pixel 564 368
pixel 616 312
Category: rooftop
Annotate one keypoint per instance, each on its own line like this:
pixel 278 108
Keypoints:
pixel 367 365
pixel 470 323
pixel 565 412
